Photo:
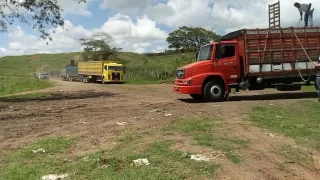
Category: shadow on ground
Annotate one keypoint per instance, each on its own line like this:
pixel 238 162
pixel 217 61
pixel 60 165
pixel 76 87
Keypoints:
pixel 56 96
pixel 273 96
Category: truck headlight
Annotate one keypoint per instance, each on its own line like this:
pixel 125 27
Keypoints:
pixel 187 82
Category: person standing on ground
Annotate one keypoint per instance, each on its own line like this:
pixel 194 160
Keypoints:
pixel 317 66
pixel 306 9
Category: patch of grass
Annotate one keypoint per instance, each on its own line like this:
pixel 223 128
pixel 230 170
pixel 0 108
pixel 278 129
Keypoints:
pixel 165 163
pixel 295 155
pixel 202 130
pixel 155 69
pixel 300 121
pixel 25 164
pixel 309 88
pixel 10 85
pixel 26 97
pixel 137 81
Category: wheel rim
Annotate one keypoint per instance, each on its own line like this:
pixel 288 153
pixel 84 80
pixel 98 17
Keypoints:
pixel 215 91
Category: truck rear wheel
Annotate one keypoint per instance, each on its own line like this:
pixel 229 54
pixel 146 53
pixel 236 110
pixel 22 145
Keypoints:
pixel 214 91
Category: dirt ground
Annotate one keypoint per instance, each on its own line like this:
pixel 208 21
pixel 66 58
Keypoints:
pixel 90 111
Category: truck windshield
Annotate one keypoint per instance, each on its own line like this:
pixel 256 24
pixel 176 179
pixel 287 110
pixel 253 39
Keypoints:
pixel 115 68
pixel 205 53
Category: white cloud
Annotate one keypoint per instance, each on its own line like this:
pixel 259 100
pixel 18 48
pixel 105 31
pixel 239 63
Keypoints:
pixel 139 36
pixel 72 7
pixel 224 15
pixel 130 36
pixel 63 41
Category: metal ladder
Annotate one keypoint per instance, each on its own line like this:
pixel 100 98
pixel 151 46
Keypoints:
pixel 274 15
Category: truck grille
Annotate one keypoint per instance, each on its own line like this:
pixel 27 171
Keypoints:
pixel 180 73
pixel 115 76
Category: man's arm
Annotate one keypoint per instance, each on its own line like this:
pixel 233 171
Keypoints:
pixel 300 14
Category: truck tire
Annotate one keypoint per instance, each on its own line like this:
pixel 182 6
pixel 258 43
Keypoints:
pixel 214 91
pixel 197 97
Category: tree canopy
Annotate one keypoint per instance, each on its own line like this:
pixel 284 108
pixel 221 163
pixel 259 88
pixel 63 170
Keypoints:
pixel 42 15
pixel 190 38
pixel 98 46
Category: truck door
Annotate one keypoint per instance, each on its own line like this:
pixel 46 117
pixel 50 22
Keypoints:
pixel 226 62
pixel 106 72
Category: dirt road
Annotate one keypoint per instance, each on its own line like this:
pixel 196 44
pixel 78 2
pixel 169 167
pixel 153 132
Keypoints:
pixel 90 111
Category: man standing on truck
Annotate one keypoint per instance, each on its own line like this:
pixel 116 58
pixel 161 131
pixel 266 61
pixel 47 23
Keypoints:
pixel 306 9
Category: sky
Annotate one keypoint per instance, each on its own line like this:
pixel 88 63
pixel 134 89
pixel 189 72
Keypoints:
pixel 143 25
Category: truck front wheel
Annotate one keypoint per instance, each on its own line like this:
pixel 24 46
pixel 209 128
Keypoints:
pixel 214 91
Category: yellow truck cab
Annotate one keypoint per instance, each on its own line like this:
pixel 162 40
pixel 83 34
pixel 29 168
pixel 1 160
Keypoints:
pixel 113 72
pixel 101 71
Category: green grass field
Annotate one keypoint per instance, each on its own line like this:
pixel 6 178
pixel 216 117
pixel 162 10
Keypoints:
pixel 116 163
pixel 16 72
pixel 299 121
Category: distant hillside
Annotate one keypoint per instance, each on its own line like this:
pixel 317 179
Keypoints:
pixel 16 72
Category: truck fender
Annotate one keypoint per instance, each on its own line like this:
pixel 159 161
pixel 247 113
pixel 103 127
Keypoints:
pixel 202 78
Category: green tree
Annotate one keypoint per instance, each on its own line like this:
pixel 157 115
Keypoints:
pixel 190 38
pixel 98 47
pixel 42 15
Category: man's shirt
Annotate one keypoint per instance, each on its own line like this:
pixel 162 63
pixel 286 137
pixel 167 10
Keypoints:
pixel 303 7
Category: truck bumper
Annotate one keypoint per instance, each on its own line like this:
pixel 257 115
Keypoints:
pixel 196 89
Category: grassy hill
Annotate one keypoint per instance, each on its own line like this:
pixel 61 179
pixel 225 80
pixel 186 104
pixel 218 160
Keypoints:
pixel 16 72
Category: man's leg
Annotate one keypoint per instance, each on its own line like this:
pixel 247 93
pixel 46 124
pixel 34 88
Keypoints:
pixel 311 17
pixel 306 16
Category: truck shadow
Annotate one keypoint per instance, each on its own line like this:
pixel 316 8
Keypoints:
pixel 56 96
pixel 271 96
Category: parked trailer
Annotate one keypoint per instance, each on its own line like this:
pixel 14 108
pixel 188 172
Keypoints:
pixel 252 59
pixel 70 73
pixel 101 71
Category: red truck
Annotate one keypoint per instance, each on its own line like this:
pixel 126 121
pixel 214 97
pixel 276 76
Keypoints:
pixel 251 59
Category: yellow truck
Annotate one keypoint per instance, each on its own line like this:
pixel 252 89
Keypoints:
pixel 101 71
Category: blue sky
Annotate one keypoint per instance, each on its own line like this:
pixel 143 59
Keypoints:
pixel 143 25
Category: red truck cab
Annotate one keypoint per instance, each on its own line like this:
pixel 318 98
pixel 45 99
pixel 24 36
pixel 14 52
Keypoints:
pixel 212 75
